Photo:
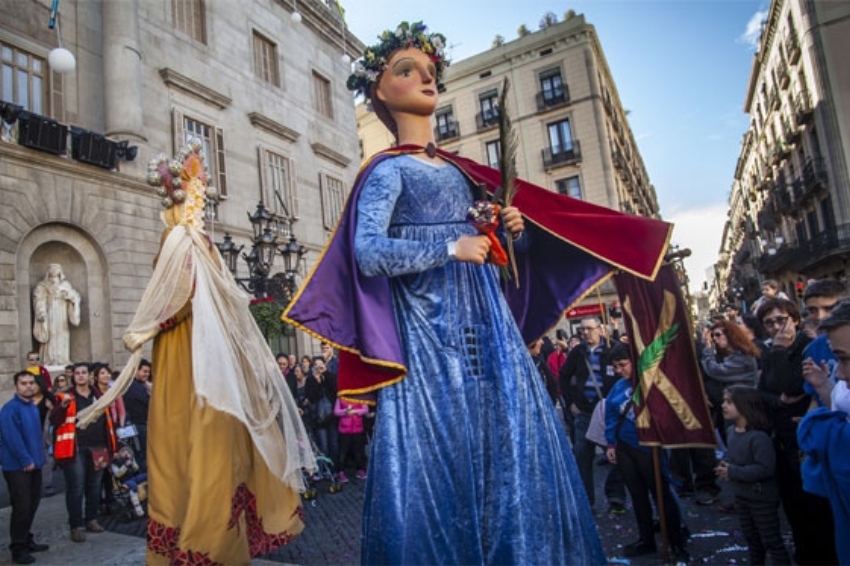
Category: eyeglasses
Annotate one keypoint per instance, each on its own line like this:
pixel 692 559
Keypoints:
pixel 775 321
pixel 60 380
pixel 33 359
pixel 717 334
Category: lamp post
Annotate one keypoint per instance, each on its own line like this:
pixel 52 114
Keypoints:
pixel 260 259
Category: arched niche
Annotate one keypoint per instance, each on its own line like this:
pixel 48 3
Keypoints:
pixel 84 265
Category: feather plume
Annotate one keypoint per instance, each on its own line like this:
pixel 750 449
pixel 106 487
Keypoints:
pixel 507 166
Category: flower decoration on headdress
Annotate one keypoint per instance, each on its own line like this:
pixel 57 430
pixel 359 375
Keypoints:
pixel 182 184
pixel 368 68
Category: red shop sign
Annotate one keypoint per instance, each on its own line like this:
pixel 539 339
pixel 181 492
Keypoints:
pixel 586 310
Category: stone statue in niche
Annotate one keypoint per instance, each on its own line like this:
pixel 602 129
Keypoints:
pixel 56 306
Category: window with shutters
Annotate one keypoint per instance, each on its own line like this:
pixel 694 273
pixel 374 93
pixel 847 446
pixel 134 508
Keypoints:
pixel 189 18
pixel 322 95
pixel 23 79
pixel 187 129
pixel 333 199
pixel 278 184
pixel 265 59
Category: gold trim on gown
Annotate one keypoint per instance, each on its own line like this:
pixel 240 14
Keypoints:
pixel 212 498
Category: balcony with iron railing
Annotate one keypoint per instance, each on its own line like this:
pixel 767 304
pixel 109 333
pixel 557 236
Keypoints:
pixel 559 157
pixel 548 99
pixel 783 77
pixel 783 201
pixel 487 120
pixel 447 131
pixel 814 177
pixel 803 108
pixel 619 160
pixel 792 47
pixel 833 241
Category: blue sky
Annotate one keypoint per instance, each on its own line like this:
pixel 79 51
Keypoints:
pixel 681 69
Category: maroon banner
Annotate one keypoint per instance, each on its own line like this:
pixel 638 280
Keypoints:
pixel 672 410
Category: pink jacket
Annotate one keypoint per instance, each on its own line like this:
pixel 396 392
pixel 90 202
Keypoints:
pixel 350 422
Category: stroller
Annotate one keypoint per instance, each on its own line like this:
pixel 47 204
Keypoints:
pixel 324 471
pixel 130 484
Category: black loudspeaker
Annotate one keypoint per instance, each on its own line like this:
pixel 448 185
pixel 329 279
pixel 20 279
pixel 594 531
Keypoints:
pixel 88 147
pixel 39 132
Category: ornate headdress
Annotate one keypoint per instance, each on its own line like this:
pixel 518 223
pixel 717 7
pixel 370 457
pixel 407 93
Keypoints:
pixel 182 184
pixel 368 68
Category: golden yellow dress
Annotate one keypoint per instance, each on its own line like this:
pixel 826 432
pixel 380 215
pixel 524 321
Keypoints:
pixel 226 445
pixel 211 496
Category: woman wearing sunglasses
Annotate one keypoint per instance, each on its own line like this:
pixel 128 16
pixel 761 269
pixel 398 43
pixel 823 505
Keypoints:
pixel 729 358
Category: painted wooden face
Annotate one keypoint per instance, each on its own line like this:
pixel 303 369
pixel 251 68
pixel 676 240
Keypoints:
pixel 408 85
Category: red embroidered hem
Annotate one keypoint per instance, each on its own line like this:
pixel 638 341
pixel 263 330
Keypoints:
pixel 164 540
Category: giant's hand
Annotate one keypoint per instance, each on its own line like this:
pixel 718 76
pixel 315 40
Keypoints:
pixel 473 249
pixel 512 220
pixel 134 340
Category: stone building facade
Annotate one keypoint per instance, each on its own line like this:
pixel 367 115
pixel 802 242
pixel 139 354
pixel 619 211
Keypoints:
pixel 574 135
pixel 791 191
pixel 263 91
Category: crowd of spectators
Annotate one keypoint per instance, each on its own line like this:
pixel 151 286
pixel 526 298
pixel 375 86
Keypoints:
pixel 775 381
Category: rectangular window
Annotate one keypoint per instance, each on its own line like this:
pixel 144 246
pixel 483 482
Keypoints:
pixel 446 125
pixel 278 186
pixel 265 59
pixel 322 95
pixel 571 187
pixel 489 105
pixel 333 199
pixel 189 18
pixel 187 129
pixel 23 79
pixel 560 137
pixel 552 87
pixel 494 153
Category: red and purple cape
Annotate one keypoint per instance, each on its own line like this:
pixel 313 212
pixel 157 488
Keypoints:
pixel 575 246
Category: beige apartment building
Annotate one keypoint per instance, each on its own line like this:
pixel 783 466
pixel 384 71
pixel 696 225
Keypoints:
pixel 790 203
pixel 574 136
pixel 262 90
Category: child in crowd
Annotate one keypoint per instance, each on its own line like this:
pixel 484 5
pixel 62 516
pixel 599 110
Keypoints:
pixel 750 468
pixel 352 438
pixel 127 472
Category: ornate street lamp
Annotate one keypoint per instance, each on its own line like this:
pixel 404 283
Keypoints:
pixel 260 259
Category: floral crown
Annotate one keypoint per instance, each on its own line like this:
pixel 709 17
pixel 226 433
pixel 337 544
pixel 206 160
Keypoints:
pixel 182 182
pixel 368 68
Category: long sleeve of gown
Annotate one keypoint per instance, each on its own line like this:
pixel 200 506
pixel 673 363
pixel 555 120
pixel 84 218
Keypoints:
pixel 376 252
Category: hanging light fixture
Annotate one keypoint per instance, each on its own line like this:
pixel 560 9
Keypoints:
pixel 296 16
pixel 60 59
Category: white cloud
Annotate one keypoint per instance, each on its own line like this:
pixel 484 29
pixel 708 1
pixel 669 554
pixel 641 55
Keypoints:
pixel 752 34
pixel 700 230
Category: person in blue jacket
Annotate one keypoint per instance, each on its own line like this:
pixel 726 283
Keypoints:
pixel 635 463
pixel 21 457
pixel 824 433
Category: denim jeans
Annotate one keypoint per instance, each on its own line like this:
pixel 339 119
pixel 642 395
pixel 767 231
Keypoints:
pixel 327 440
pixel 82 481
pixel 585 453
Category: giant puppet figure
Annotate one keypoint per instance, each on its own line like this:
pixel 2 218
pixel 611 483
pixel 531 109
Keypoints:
pixel 469 462
pixel 226 446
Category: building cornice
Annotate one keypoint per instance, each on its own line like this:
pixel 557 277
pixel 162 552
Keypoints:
pixel 192 87
pixel 328 24
pixel 49 163
pixel 275 128
pixel 322 150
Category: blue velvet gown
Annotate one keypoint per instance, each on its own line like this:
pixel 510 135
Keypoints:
pixel 469 462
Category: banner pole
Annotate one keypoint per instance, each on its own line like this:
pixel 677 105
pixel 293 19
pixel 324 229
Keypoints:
pixel 659 504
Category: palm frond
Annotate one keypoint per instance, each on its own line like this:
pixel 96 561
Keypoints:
pixel 507 166
pixel 654 351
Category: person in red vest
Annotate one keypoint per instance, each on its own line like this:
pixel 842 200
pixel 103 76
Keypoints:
pixel 82 454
